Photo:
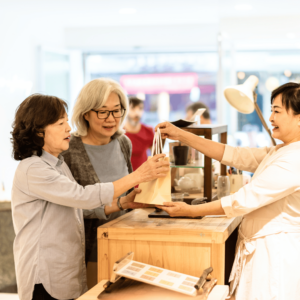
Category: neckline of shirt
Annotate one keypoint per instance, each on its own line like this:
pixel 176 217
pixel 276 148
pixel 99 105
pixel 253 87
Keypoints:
pixel 51 159
pixel 285 147
pixel 97 146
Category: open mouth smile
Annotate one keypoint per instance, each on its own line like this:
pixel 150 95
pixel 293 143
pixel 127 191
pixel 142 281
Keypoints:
pixel 108 127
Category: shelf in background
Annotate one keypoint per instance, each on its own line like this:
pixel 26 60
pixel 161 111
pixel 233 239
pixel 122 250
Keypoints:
pixel 191 166
pixel 199 195
pixel 187 166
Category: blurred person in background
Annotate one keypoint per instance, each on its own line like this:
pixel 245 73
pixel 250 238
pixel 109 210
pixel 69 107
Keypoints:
pixel 141 136
pixel 191 109
pixel 99 152
pixel 47 202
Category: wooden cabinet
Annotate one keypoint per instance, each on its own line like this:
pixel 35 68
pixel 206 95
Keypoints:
pixel 183 245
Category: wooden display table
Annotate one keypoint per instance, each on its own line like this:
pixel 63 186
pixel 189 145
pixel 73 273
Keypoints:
pixel 219 292
pixel 184 245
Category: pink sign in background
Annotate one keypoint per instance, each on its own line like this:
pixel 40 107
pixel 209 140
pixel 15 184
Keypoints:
pixel 172 83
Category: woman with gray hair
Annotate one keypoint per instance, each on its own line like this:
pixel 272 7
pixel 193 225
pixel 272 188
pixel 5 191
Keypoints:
pixel 100 152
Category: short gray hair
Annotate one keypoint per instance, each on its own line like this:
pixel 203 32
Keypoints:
pixel 93 96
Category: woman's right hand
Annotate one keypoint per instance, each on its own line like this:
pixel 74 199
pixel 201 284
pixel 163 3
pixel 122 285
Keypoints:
pixel 169 131
pixel 177 209
pixel 153 168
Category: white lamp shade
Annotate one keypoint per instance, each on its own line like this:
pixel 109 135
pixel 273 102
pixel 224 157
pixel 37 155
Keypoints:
pixel 241 96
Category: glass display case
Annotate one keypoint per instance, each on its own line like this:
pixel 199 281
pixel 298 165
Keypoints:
pixel 195 179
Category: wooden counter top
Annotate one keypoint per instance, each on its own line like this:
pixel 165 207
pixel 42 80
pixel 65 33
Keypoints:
pixel 206 230
pixel 5 205
pixel 218 293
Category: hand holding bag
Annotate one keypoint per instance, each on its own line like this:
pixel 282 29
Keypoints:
pixel 158 190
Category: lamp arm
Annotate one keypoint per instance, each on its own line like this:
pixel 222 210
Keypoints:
pixel 260 115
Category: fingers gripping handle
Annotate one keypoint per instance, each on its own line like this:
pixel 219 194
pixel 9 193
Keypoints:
pixel 153 145
pixel 157 143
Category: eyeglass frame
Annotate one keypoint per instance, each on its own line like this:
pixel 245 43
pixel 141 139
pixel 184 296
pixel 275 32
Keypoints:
pixel 109 112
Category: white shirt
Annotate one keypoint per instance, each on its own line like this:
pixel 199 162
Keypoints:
pixel 268 254
pixel 49 247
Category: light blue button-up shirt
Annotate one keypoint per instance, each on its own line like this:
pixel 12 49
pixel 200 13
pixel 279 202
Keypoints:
pixel 47 208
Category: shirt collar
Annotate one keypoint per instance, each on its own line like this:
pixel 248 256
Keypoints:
pixel 52 160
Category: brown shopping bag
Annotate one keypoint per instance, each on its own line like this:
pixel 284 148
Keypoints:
pixel 158 190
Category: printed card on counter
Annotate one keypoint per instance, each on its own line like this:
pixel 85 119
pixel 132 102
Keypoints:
pixel 167 279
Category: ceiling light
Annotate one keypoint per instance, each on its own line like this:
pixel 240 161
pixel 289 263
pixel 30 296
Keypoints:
pixel 272 83
pixel 287 73
pixel 243 7
pixel 241 75
pixel 127 11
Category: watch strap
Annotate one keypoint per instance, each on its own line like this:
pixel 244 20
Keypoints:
pixel 119 204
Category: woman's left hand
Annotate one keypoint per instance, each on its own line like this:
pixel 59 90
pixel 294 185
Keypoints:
pixel 177 209
pixel 128 201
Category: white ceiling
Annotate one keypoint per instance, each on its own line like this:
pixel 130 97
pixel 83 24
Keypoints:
pixel 92 24
pixel 86 13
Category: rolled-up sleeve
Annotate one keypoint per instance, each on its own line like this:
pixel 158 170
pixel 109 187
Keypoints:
pixel 277 181
pixel 46 183
pixel 97 213
pixel 244 158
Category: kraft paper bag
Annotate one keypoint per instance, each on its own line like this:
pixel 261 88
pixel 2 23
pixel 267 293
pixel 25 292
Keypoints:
pixel 158 190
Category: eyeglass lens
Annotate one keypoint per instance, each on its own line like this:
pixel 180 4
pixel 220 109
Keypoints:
pixel 117 113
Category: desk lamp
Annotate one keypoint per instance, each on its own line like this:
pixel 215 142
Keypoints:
pixel 244 99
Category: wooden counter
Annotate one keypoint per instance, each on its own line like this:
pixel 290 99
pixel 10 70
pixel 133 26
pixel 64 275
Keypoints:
pixel 219 292
pixel 184 245
pixel 8 282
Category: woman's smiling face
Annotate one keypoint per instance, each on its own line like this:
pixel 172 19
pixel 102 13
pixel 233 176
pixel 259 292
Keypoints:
pixel 286 125
pixel 105 127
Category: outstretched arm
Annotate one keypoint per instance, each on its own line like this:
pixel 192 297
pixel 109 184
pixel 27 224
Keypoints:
pixel 180 209
pixel 242 158
pixel 207 147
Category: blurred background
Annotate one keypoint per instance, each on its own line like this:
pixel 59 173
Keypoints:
pixel 170 53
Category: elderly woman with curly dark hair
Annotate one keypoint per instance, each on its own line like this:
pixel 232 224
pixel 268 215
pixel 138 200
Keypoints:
pixel 47 202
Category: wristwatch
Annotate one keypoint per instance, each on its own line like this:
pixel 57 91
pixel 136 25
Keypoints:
pixel 119 204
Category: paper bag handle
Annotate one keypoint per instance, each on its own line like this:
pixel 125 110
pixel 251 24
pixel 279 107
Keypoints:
pixel 157 143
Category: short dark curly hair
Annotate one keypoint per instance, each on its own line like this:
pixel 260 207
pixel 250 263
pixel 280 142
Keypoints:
pixel 290 93
pixel 32 116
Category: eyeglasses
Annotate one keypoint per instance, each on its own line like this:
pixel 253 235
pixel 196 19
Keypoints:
pixel 104 114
